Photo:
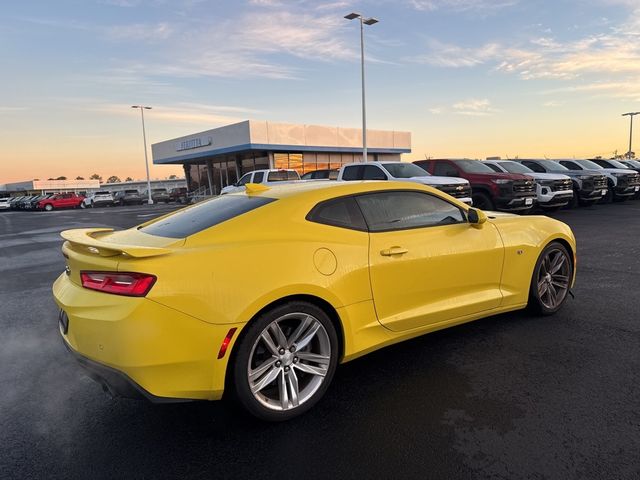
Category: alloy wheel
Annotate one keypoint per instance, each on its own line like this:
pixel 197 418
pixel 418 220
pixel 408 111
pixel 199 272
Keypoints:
pixel 289 361
pixel 553 278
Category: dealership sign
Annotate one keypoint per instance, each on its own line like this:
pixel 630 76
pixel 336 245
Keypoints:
pixel 193 143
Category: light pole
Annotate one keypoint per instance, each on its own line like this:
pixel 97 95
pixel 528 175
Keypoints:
pixel 146 159
pixel 630 115
pixel 363 21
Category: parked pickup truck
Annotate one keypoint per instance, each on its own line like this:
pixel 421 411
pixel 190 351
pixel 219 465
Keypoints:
pixel 491 190
pixel 60 200
pixel 265 177
pixel 588 188
pixel 406 172
pixel 622 183
pixel 553 190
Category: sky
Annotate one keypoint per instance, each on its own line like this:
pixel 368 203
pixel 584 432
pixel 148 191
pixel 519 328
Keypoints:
pixel 468 78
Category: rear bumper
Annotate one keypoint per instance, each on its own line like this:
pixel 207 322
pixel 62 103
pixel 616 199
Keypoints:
pixel 137 347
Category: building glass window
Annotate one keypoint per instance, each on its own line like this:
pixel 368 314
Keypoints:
pixel 281 160
pixel 309 162
pixel 322 162
pixel 262 161
pixel 295 162
pixel 335 160
pixel 247 165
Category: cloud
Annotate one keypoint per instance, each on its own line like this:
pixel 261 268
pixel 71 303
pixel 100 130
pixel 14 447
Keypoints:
pixel 462 5
pixel 474 107
pixel 140 31
pixel 553 103
pixel 605 63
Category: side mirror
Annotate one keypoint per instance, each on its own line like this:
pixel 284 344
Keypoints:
pixel 476 217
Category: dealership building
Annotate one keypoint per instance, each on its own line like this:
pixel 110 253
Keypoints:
pixel 216 158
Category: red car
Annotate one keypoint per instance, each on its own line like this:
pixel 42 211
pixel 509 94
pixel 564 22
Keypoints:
pixel 491 190
pixel 61 200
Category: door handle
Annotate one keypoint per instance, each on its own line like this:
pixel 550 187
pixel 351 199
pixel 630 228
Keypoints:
pixel 393 251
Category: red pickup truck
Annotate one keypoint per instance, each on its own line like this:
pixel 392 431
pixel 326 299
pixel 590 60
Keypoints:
pixel 61 200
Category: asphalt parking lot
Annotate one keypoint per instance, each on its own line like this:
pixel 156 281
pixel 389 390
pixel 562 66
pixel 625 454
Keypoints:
pixel 511 396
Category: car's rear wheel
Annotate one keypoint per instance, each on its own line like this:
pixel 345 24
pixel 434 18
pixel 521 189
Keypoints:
pixel 284 361
pixel 482 201
pixel 551 279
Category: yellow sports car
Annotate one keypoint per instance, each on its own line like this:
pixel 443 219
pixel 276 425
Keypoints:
pixel 261 294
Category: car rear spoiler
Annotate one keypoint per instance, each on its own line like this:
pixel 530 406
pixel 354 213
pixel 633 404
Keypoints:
pixel 84 238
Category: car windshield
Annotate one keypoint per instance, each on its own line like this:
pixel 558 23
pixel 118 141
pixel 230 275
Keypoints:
pixel 633 163
pixel 473 166
pixel 404 170
pixel 588 164
pixel 515 167
pixel 617 164
pixel 553 166
pixel 102 193
pixel 131 192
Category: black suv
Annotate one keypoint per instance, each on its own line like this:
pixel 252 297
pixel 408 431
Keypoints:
pixel 127 197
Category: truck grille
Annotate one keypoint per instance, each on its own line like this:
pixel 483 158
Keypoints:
pixel 524 188
pixel 559 185
pixel 456 190
pixel 630 180
pixel 600 182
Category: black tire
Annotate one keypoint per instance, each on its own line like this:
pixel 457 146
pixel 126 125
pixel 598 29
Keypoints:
pixel 482 201
pixel 609 197
pixel 238 373
pixel 535 302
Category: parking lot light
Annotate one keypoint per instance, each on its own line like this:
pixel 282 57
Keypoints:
pixel 630 115
pixel 146 159
pixel 363 21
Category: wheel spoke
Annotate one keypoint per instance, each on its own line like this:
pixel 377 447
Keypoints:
pixel 282 388
pixel 270 376
pixel 258 372
pixel 308 335
pixel 553 296
pixel 292 380
pixel 268 341
pixel 543 287
pixel 280 338
pixel 559 282
pixel 304 324
pixel 303 367
pixel 558 261
pixel 314 357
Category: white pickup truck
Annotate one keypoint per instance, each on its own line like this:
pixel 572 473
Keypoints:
pixel 406 172
pixel 265 177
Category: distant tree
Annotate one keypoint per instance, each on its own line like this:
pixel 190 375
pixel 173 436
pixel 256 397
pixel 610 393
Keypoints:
pixel 128 179
pixel 50 178
pixel 79 178
pixel 113 179
pixel 36 179
pixel 172 177
pixel 95 176
pixel 61 178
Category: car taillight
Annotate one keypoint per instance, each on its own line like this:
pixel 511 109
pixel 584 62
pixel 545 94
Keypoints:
pixel 118 283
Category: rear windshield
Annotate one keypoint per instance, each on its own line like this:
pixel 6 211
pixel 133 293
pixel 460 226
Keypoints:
pixel 205 215
pixel 103 193
pixel 283 176
pixel 134 192
pixel 404 170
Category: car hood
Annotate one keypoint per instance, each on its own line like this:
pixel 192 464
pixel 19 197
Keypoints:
pixel 434 180
pixel 508 176
pixel 549 176
pixel 617 170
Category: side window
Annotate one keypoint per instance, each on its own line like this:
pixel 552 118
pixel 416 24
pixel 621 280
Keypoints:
pixel 338 212
pixel 353 172
pixel 403 210
pixel 245 179
pixel 258 177
pixel 371 172
pixel 570 165
pixel 445 169
pixel 493 167
pixel 534 166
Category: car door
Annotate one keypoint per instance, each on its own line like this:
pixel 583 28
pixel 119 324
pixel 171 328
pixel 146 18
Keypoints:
pixel 427 264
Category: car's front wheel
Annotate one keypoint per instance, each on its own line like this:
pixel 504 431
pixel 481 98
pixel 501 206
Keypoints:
pixel 48 207
pixel 284 361
pixel 551 279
